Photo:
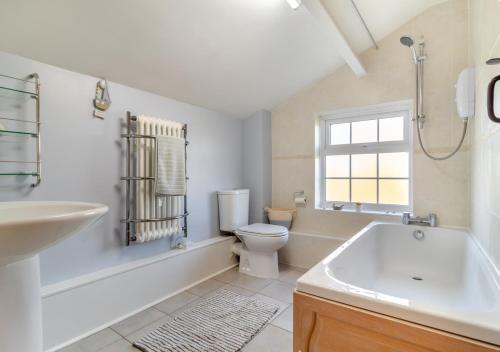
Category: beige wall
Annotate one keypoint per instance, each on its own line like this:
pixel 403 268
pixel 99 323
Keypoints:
pixel 485 181
pixel 440 187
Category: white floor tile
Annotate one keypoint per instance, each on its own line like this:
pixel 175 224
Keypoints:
pixel 147 329
pixel 174 303
pixel 240 290
pixel 271 339
pixel 251 283
pixel 232 288
pixel 138 321
pixel 282 291
pixel 94 342
pixel 206 287
pixel 282 305
pixel 285 319
pixel 290 275
pixel 72 348
pixel 228 276
pixel 120 346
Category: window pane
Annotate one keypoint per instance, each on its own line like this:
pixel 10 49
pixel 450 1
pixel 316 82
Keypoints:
pixel 364 191
pixel 364 165
pixel 337 190
pixel 337 166
pixel 393 165
pixel 391 129
pixel 340 133
pixel 364 131
pixel 393 192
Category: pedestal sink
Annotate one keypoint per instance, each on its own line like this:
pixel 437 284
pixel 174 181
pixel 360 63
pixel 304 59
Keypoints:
pixel 26 228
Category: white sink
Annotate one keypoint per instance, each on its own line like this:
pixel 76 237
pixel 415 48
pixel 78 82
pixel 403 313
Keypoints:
pixel 27 228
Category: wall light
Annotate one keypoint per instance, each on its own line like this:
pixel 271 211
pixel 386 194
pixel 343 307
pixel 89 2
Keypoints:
pixel 294 4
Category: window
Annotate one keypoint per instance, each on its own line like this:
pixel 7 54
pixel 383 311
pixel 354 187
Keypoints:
pixel 365 157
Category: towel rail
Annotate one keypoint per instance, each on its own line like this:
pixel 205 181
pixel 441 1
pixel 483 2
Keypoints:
pixel 132 180
pixel 155 220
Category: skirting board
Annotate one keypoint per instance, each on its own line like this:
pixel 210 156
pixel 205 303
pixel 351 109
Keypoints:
pixel 79 307
pixel 305 250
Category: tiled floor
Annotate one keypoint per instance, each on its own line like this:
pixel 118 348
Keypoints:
pixel 276 337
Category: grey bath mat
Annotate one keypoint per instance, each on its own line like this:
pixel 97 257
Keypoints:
pixel 224 322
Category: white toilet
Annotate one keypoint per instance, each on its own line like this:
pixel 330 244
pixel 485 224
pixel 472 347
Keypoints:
pixel 260 242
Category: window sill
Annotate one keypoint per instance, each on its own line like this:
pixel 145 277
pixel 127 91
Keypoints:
pixel 364 212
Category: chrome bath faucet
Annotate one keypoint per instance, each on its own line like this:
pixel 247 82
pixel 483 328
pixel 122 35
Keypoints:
pixel 430 220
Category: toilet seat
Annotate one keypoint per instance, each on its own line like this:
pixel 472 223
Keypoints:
pixel 262 230
pixel 258 249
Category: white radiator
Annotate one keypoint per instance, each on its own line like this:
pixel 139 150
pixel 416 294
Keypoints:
pixel 148 205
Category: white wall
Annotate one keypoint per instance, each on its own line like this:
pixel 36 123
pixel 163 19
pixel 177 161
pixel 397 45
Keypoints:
pixel 82 160
pixel 257 163
pixel 485 184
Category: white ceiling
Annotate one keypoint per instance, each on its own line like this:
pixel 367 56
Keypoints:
pixel 234 56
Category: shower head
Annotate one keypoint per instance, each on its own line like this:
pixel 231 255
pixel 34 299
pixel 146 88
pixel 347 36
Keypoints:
pixel 408 41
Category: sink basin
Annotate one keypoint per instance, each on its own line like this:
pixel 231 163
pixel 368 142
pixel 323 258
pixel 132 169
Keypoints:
pixel 26 228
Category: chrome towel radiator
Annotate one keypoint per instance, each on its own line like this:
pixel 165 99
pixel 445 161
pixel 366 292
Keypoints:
pixel 135 179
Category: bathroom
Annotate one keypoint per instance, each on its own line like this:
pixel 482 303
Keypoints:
pixel 307 211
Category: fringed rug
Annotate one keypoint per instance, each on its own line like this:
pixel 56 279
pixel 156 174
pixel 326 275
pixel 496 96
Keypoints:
pixel 225 322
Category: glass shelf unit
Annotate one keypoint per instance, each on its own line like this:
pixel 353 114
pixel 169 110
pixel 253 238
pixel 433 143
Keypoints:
pixel 17 94
pixel 21 91
pixel 18 174
pixel 22 133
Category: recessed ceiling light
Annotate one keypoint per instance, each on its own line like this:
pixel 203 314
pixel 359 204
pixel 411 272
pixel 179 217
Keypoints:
pixel 294 4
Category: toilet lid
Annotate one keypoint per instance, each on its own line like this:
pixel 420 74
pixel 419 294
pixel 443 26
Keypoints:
pixel 263 230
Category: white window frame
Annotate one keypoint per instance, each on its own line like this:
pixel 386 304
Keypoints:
pixel 372 112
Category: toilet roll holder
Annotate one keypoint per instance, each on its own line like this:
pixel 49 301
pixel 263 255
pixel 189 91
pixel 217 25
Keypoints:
pixel 299 199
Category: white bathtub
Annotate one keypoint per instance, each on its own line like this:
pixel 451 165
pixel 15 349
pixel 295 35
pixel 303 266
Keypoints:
pixel 380 267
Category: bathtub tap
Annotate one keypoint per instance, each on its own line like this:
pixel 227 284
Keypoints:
pixel 430 220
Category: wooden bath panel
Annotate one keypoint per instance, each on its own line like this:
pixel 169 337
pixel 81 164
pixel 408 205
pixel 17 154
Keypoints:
pixel 320 325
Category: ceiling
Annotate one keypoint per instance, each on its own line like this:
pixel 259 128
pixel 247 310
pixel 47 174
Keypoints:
pixel 233 56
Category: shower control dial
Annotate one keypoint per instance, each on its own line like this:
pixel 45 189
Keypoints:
pixel 419 235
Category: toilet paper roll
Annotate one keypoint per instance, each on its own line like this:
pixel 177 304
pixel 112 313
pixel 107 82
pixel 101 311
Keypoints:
pixel 300 201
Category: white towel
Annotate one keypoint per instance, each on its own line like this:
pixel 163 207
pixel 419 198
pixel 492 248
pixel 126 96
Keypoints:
pixel 170 166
